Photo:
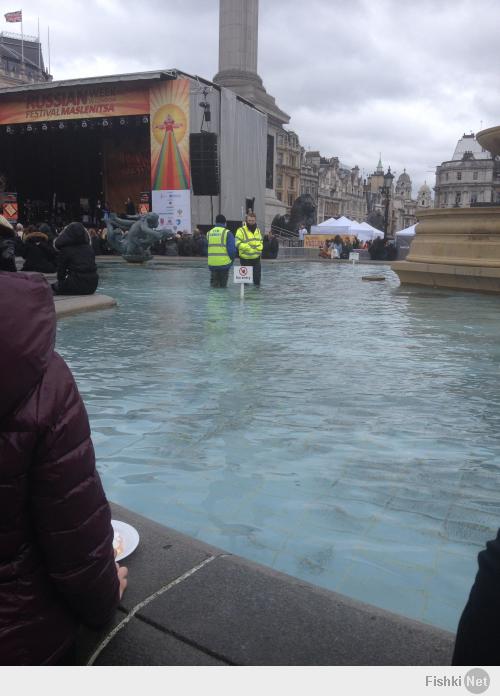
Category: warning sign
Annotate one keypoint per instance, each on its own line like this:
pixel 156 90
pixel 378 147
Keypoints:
pixel 243 274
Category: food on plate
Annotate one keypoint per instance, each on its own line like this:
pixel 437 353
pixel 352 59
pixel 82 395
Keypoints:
pixel 118 544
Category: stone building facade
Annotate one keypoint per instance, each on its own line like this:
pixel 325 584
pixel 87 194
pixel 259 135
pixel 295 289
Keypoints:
pixel 21 61
pixel 404 206
pixel 336 188
pixel 288 157
pixel 309 173
pixel 471 177
pixel 424 197
pixel 393 202
pixel 379 202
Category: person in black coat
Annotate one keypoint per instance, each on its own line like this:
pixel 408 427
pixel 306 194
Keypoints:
pixel 271 246
pixel 7 246
pixel 76 267
pixel 478 636
pixel 39 255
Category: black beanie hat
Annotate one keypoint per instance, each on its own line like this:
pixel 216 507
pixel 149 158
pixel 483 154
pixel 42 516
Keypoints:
pixel 221 218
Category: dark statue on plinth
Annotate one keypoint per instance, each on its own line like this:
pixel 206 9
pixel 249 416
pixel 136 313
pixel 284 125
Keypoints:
pixel 303 212
pixel 132 237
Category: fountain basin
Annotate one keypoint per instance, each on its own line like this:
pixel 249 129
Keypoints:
pixel 456 248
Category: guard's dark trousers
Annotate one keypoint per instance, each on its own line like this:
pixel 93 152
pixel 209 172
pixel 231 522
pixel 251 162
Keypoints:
pixel 256 268
pixel 218 277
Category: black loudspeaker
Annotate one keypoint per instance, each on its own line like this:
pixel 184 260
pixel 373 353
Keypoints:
pixel 204 158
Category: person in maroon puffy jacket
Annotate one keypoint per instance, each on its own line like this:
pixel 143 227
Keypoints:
pixel 57 566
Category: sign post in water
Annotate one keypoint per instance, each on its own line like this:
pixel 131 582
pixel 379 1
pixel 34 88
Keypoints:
pixel 243 275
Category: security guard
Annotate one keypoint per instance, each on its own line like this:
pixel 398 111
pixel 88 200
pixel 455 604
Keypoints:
pixel 249 245
pixel 221 252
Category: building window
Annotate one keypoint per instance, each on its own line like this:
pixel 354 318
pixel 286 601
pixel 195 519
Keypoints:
pixel 280 181
pixel 473 198
pixel 459 176
pixel 292 183
pixel 474 175
pixel 447 176
pixel 290 199
pixel 278 195
pixel 458 198
pixel 280 158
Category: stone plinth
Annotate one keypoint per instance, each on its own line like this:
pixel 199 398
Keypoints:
pixel 455 248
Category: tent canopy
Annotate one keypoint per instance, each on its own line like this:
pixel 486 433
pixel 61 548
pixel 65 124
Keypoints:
pixel 344 227
pixel 408 231
pixel 365 232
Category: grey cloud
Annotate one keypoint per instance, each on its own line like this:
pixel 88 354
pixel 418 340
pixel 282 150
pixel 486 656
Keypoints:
pixel 358 78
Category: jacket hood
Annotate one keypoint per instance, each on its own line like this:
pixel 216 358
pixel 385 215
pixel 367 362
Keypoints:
pixel 28 335
pixel 73 234
pixel 36 237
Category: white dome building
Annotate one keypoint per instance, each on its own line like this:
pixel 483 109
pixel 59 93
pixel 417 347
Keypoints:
pixel 424 196
pixel 404 186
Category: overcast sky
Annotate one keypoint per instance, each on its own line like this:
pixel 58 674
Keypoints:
pixel 403 78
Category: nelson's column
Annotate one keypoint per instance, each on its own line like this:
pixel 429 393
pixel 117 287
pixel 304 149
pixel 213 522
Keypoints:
pixel 238 33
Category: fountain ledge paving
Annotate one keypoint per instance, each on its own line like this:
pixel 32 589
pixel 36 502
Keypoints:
pixel 189 603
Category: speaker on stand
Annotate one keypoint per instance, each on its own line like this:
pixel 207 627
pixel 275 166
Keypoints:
pixel 204 156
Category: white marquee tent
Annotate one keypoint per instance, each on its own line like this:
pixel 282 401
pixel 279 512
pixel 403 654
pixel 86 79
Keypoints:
pixel 333 226
pixel 407 232
pixel 344 226
pixel 365 232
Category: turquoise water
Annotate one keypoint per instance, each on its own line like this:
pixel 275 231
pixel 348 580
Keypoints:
pixel 344 432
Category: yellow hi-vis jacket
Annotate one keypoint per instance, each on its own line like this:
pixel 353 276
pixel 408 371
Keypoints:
pixel 249 244
pixel 217 249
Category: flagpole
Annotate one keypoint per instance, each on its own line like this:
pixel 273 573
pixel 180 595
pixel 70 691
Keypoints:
pixel 22 39
pixel 39 45
pixel 48 44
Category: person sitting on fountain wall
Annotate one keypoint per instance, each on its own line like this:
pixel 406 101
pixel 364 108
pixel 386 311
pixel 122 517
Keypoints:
pixel 76 267
pixel 57 564
pixel 337 246
pixel 39 255
pixel 478 635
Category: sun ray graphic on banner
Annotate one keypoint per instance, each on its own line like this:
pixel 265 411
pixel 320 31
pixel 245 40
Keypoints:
pixel 170 136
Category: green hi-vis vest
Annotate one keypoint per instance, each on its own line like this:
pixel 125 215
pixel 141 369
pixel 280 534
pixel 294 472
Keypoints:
pixel 249 244
pixel 217 251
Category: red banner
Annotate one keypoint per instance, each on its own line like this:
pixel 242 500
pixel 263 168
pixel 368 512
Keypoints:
pixel 89 101
pixel 9 206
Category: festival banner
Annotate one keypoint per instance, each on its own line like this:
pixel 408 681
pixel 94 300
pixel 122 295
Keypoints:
pixel 315 241
pixel 174 209
pixel 170 176
pixel 62 103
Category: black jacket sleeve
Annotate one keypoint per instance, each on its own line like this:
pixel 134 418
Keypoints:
pixel 478 634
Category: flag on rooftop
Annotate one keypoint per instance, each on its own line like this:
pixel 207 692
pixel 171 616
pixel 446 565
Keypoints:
pixel 14 16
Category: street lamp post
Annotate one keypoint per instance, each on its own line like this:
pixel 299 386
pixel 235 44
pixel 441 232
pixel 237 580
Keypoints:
pixel 386 193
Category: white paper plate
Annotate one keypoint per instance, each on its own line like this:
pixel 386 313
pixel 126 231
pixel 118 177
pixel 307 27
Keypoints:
pixel 129 535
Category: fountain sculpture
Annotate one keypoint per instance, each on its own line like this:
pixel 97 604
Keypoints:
pixel 133 236
pixel 457 248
